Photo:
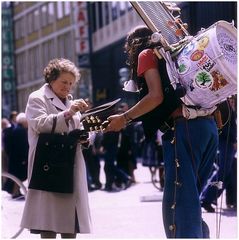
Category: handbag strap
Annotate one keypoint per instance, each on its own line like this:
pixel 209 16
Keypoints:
pixel 54 124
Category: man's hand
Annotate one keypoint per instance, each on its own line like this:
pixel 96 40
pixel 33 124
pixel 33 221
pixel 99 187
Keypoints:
pixel 116 123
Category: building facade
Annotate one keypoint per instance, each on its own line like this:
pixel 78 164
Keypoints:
pixel 91 34
pixel 43 31
pixel 110 22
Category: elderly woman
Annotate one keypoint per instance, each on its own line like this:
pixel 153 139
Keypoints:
pixel 49 213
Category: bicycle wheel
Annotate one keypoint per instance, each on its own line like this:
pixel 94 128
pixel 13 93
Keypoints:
pixel 157 177
pixel 12 209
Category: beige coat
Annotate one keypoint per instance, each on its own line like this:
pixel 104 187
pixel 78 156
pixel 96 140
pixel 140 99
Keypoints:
pixel 47 210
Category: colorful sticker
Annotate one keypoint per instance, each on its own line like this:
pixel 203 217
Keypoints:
pixel 202 43
pixel 203 79
pixel 228 45
pixel 183 65
pixel 206 63
pixel 219 81
pixel 197 55
pixel 188 48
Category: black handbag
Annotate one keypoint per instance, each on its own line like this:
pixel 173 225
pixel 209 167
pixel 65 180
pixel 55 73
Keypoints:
pixel 53 168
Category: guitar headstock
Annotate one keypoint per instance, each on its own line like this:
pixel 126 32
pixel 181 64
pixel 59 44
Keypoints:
pixel 95 119
pixel 94 123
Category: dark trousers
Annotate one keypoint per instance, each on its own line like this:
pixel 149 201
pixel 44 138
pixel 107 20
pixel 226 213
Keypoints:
pixel 188 160
pixel 111 170
pixel 225 161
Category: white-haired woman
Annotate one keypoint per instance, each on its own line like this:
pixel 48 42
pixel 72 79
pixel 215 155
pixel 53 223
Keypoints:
pixel 49 213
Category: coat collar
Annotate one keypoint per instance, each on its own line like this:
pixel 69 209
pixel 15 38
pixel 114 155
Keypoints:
pixel 54 99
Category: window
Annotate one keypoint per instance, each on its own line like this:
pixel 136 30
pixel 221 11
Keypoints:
pixel 107 17
pixel 122 6
pixel 20 67
pixel 36 20
pixel 67 8
pixel 64 41
pixel 16 29
pixel 45 58
pixel 31 64
pixel 100 20
pixel 93 16
pixel 44 15
pixel 29 22
pixel 51 12
pixel 38 58
pixel 114 10
pixel 47 52
pixel 19 28
pixel 59 10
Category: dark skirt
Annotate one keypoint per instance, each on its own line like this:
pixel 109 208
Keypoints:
pixel 77 227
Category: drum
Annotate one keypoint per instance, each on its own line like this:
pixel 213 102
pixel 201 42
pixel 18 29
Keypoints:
pixel 207 66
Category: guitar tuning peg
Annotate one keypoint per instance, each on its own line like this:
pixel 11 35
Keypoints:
pixel 91 129
pixel 92 118
pixel 170 23
pixel 179 32
pixel 185 25
pixel 98 120
pixel 96 128
pixel 87 119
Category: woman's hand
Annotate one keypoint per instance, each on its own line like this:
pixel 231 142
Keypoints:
pixel 78 105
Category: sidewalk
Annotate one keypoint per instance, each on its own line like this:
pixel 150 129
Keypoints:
pixel 124 215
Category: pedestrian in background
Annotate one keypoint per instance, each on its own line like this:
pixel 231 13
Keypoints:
pixel 48 213
pixel 97 155
pixel 7 132
pixel 126 159
pixel 227 150
pixel 16 146
pixel 18 160
pixel 187 162
pixel 112 172
pixel 5 124
pixel 91 159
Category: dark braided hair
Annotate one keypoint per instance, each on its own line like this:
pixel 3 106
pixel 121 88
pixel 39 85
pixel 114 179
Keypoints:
pixel 137 40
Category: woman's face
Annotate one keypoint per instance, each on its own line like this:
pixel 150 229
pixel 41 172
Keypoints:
pixel 63 84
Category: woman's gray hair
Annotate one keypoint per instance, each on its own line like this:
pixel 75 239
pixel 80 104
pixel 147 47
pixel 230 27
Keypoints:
pixel 58 65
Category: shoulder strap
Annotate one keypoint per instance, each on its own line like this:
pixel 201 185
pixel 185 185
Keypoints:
pixel 54 124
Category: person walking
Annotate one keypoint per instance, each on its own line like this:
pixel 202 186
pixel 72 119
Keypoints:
pixel 189 145
pixel 227 150
pixel 91 158
pixel 48 213
pixel 16 145
pixel 5 125
pixel 112 172
pixel 126 159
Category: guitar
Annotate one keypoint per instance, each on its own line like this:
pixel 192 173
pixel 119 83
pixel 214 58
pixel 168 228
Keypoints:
pixel 95 119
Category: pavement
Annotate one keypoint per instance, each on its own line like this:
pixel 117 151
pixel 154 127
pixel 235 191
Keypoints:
pixel 131 213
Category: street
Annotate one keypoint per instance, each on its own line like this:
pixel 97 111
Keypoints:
pixel 131 213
